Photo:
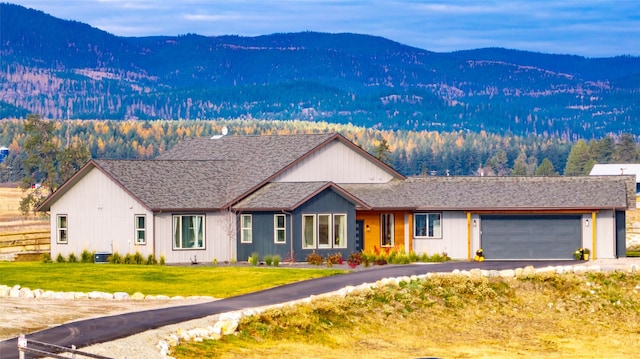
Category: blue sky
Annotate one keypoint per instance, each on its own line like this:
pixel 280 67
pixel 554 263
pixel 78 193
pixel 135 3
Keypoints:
pixel 592 28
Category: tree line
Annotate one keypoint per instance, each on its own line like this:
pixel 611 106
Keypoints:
pixel 70 143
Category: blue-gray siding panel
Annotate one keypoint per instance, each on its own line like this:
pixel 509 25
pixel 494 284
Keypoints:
pixel 530 237
pixel 263 240
pixel 327 202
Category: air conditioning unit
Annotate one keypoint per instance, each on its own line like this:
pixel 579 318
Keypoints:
pixel 101 257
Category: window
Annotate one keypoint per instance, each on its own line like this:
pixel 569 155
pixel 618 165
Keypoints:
pixel 386 230
pixel 308 231
pixel 188 232
pixel 62 229
pixel 324 231
pixel 141 226
pixel 427 225
pixel 339 231
pixel 279 228
pixel 246 228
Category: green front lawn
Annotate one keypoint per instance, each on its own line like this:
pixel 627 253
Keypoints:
pixel 215 281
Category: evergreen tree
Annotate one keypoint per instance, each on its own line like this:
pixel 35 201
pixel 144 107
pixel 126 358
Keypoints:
pixel 577 160
pixel 45 166
pixel 381 151
pixel 520 165
pixel 625 149
pixel 546 168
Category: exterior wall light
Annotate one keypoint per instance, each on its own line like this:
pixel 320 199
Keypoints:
pixel 586 222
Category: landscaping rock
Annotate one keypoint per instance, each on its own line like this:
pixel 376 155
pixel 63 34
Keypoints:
pixel 25 293
pixel 120 295
pixel 507 273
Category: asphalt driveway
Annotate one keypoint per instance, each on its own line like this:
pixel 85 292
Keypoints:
pixel 98 330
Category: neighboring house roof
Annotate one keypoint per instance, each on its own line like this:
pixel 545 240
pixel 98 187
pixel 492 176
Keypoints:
pixel 614 169
pixel 289 196
pixel 500 193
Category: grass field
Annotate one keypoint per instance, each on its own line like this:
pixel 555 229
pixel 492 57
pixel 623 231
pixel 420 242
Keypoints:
pixel 542 316
pixel 11 219
pixel 215 281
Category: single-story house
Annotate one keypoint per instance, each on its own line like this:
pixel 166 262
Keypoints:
pixel 617 169
pixel 226 197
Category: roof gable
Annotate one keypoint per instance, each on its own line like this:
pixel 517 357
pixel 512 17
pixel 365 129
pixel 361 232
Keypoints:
pixel 289 195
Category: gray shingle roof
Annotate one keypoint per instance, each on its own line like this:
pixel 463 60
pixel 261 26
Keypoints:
pixel 288 195
pixel 182 185
pixel 280 195
pixel 487 193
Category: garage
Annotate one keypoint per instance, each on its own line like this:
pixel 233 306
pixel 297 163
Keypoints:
pixel 530 236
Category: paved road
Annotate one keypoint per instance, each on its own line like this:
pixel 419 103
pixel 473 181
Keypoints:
pixel 98 330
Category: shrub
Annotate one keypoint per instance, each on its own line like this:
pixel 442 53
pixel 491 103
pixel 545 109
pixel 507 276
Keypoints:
pixel 128 259
pixel 161 260
pixel 115 258
pixel 276 260
pixel 380 261
pixel 335 258
pixel 354 259
pixel 72 258
pixel 60 258
pixel 314 258
pixel 46 258
pixel 151 260
pixel 255 257
pixel 138 258
pixel 86 256
pixel 268 260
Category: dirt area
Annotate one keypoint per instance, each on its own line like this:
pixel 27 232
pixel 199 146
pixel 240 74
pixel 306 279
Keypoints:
pixel 23 316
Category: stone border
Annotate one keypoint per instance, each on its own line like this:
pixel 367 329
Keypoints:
pixel 23 292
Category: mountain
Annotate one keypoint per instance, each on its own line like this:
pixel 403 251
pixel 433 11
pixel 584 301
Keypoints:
pixel 61 69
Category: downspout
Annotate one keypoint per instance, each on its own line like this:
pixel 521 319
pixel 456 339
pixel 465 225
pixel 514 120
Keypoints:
pixel 290 233
pixel 593 235
pixel 469 236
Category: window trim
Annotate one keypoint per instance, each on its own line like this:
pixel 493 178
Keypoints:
pixel 383 226
pixel 243 228
pixel 276 228
pixel 426 235
pixel 138 230
pixel 60 229
pixel 173 235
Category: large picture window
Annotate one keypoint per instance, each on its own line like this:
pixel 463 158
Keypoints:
pixel 279 228
pixel 386 230
pixel 324 231
pixel 188 232
pixel 427 225
pixel 141 228
pixel 246 228
pixel 62 229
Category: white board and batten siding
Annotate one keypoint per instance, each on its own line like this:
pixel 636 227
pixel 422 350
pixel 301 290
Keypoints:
pixel 100 218
pixel 454 237
pixel 219 234
pixel 338 163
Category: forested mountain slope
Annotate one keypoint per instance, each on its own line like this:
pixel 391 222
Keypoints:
pixel 66 69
